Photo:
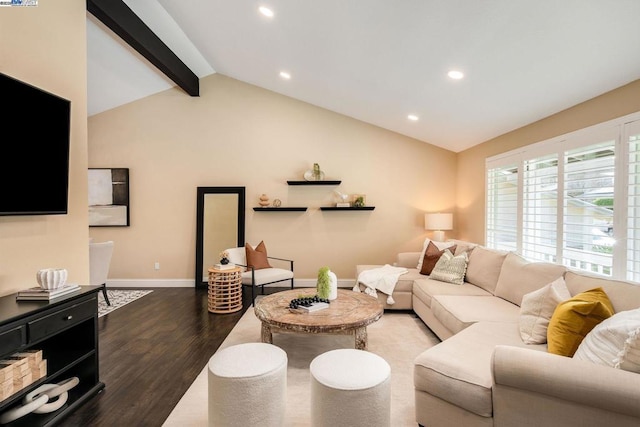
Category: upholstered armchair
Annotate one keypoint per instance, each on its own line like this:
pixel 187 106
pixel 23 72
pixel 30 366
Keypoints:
pixel 258 271
pixel 99 263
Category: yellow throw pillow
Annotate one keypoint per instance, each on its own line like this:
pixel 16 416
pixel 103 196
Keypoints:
pixel 574 318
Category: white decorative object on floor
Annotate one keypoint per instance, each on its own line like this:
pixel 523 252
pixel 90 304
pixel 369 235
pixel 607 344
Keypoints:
pixel 350 388
pixel 248 386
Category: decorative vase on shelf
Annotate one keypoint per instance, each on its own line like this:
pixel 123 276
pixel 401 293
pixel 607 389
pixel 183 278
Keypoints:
pixel 224 261
pixel 264 201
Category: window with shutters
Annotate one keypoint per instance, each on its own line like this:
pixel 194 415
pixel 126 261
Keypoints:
pixel 574 200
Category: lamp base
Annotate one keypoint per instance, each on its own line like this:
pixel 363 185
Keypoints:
pixel 438 236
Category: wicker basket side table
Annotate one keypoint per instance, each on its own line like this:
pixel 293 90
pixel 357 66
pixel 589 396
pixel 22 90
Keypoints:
pixel 225 290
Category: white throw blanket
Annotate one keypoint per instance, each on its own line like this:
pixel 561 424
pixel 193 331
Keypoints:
pixel 383 279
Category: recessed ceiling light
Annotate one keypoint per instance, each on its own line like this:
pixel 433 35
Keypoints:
pixel 266 11
pixel 285 75
pixel 456 75
pixel 413 117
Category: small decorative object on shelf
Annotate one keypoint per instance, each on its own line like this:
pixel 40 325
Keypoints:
pixel 314 174
pixel 359 200
pixel 264 201
pixel 276 203
pixel 224 257
pixel 343 200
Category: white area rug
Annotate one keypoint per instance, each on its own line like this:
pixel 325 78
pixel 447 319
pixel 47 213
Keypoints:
pixel 118 298
pixel 397 337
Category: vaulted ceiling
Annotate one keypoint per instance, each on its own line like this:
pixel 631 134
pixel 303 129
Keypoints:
pixel 380 61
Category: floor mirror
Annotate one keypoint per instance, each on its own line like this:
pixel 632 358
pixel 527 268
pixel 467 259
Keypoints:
pixel 219 226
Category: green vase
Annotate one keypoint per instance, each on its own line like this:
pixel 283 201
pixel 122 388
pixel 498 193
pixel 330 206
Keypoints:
pixel 323 288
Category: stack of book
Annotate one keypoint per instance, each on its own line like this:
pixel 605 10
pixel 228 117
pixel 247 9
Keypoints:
pixel 20 370
pixel 224 266
pixel 39 294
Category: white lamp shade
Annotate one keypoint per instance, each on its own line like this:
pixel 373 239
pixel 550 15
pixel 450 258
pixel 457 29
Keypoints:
pixel 438 221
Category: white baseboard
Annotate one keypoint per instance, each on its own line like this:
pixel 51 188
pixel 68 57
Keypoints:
pixel 190 283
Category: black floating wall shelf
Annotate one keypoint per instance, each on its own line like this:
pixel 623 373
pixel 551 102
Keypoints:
pixel 314 182
pixel 353 208
pixel 281 209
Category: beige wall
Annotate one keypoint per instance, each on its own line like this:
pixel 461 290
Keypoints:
pixel 471 163
pixel 46 47
pixel 236 134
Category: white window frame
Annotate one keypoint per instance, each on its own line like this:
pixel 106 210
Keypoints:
pixel 619 129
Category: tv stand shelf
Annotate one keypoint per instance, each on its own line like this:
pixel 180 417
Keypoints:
pixel 66 330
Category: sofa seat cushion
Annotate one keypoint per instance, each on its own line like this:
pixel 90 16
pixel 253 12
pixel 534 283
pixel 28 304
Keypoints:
pixel 424 289
pixel 404 283
pixel 457 312
pixel 458 370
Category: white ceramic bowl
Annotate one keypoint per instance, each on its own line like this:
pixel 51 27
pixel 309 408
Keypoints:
pixel 51 278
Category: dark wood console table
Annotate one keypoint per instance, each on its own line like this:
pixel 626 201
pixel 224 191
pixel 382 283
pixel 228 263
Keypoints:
pixel 66 330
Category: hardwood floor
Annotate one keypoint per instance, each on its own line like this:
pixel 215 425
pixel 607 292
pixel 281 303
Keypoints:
pixel 151 350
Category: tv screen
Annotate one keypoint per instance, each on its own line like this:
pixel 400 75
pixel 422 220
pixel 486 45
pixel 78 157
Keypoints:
pixel 34 125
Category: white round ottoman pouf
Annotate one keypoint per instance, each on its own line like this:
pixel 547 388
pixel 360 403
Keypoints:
pixel 350 388
pixel 248 385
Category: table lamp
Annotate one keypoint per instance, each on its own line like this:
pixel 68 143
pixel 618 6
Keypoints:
pixel 438 222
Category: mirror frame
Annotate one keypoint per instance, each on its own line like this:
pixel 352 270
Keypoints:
pixel 202 192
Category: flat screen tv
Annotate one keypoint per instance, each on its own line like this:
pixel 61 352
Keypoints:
pixel 34 129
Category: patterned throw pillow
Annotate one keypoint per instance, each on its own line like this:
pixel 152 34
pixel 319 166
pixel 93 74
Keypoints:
pixel 450 269
pixel 538 307
pixel 615 342
pixel 257 258
pixel 431 257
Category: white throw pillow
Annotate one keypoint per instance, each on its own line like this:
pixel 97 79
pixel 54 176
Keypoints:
pixel 614 342
pixel 450 269
pixel 537 308
pixel 439 245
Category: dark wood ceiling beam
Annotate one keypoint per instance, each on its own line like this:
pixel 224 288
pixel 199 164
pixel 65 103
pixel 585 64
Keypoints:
pixel 116 15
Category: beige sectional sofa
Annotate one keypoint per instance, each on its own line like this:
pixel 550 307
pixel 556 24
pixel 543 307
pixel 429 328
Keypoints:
pixel 483 374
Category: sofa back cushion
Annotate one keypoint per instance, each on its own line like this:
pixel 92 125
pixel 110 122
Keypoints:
pixel 623 295
pixel 484 267
pixel 519 277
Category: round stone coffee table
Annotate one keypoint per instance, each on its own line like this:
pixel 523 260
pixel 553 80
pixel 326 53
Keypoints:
pixel 348 314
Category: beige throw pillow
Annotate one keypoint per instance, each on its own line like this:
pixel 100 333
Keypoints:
pixel 537 308
pixel 615 342
pixel 450 269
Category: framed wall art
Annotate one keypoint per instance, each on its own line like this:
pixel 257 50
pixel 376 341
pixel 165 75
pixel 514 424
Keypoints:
pixel 109 197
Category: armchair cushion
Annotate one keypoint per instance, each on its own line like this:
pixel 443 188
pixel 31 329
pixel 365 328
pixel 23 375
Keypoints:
pixel 257 258
pixel 266 275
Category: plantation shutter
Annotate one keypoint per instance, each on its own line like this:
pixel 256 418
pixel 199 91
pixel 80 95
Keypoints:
pixel 588 207
pixel 540 208
pixel 502 208
pixel 633 202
